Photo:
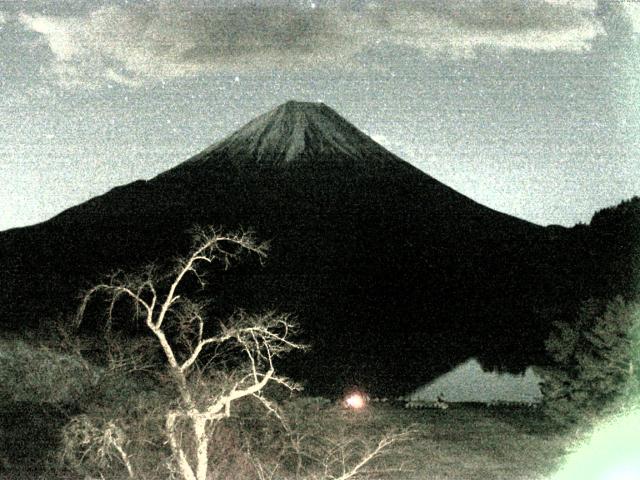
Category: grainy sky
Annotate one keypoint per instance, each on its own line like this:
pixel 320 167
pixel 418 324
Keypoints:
pixel 529 107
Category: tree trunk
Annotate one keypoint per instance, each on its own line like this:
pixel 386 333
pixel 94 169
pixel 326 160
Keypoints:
pixel 202 455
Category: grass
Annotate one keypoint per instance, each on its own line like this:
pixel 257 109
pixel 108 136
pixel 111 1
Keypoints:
pixel 463 442
pixel 466 441
pixel 29 436
pixel 41 390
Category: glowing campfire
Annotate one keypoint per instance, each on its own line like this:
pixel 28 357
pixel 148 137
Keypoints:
pixel 355 401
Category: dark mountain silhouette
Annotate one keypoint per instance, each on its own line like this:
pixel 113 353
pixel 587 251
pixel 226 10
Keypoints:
pixel 394 276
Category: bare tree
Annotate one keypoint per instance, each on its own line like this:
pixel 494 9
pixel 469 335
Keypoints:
pixel 180 327
pixel 195 352
pixel 351 458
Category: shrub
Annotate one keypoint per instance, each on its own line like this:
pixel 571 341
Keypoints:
pixel 596 362
pixel 42 375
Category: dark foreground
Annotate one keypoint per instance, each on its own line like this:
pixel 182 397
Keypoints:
pixel 461 443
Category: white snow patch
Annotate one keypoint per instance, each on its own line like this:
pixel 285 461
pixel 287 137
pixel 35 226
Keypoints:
pixel 301 129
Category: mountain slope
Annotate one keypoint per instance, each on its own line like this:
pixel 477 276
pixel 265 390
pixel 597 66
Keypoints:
pixel 296 131
pixel 393 275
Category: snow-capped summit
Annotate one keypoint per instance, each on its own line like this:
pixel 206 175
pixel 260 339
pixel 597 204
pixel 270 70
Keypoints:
pixel 298 131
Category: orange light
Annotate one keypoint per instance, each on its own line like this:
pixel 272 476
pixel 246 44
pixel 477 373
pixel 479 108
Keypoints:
pixel 355 401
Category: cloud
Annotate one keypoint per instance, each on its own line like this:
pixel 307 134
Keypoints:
pixel 3 18
pixel 460 26
pixel 148 42
pixel 58 34
pixel 130 45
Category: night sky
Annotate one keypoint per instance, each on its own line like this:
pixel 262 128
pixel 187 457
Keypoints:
pixel 529 107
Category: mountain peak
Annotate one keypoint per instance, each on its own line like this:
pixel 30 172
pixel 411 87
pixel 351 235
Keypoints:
pixel 293 106
pixel 300 131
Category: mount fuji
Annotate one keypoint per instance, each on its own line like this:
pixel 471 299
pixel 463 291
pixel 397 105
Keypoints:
pixel 298 131
pixel 393 275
